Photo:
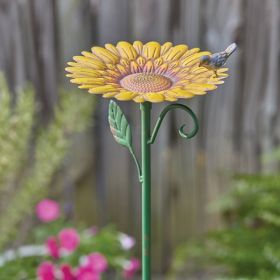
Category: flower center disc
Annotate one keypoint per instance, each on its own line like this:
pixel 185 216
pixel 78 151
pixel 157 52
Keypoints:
pixel 145 82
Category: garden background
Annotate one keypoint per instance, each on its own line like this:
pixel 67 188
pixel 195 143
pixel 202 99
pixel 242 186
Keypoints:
pixel 239 122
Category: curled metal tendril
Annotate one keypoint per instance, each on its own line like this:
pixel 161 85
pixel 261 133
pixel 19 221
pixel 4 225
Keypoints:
pixel 181 129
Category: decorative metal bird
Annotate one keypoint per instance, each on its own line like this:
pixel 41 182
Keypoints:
pixel 217 60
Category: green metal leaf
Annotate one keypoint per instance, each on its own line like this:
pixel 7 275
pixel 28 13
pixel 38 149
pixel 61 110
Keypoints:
pixel 119 125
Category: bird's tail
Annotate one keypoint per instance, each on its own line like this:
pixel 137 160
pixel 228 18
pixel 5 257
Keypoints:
pixel 231 49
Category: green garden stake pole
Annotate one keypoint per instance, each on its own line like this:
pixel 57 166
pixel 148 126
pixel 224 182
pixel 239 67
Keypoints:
pixel 121 131
pixel 146 189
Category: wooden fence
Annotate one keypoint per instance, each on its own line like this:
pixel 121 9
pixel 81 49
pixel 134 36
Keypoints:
pixel 239 122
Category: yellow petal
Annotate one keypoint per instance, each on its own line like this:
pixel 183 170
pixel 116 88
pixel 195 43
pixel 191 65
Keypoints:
pixel 82 75
pixel 210 87
pixel 219 83
pixel 151 50
pixel 173 72
pixel 89 62
pixel 139 99
pixel 197 76
pixel 198 92
pixel 138 47
pixel 154 97
pixel 111 66
pixel 201 86
pixel 73 64
pixel 221 78
pixel 184 72
pixel 83 71
pixel 215 82
pixel 134 67
pixel 112 49
pixel 124 62
pixel 173 64
pixel 114 84
pixel 102 89
pixel 198 70
pixel 180 93
pixel 194 86
pixel 87 86
pixel 113 73
pixel 194 63
pixel 182 82
pixel 158 62
pixel 175 52
pixel 141 61
pixel 193 58
pixel 222 70
pixel 165 47
pixel 90 55
pixel 222 75
pixel 149 67
pixel 105 55
pixel 109 94
pixel 190 52
pixel 94 58
pixel 162 68
pixel 125 95
pixel 198 80
pixel 126 50
pixel 74 69
pixel 109 79
pixel 169 97
pixel 123 70
pixel 93 81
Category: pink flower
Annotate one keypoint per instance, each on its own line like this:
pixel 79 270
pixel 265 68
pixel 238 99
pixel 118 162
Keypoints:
pixel 69 239
pixel 46 271
pixel 131 268
pixel 67 272
pixel 47 210
pixel 97 262
pixel 86 273
pixel 52 247
pixel 127 242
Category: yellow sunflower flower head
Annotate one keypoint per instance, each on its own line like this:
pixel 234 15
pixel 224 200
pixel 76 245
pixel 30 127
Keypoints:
pixel 149 72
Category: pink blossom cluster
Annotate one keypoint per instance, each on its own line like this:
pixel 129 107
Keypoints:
pixel 67 241
pixel 92 269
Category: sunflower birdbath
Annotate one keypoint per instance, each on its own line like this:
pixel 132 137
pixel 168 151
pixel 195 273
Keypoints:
pixel 147 73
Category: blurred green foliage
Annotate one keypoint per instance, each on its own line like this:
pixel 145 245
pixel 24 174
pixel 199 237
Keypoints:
pixel 30 155
pixel 21 268
pixel 248 246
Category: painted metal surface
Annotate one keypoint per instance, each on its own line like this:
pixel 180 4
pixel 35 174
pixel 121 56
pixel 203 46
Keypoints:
pixel 121 131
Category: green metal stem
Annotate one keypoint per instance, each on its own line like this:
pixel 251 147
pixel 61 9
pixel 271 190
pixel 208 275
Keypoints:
pixel 122 133
pixel 137 164
pixel 146 189
pixel 181 130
